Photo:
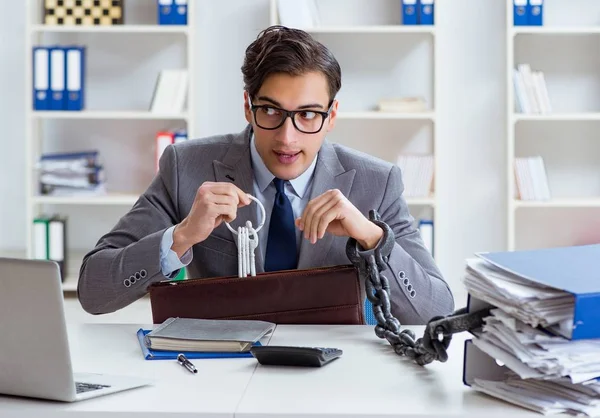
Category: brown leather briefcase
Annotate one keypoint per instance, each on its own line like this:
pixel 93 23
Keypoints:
pixel 327 295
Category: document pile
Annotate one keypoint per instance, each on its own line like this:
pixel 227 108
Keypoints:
pixel 207 335
pixel 544 326
pixel 70 174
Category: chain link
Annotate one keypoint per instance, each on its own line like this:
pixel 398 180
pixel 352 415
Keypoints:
pixel 438 332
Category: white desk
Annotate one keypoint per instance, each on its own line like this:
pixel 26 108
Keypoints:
pixel 98 348
pixel 369 380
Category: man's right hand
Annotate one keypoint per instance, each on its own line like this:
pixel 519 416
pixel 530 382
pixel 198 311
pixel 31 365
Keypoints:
pixel 213 204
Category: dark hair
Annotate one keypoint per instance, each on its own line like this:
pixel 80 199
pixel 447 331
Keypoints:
pixel 279 49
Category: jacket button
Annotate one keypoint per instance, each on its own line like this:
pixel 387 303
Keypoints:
pixel 138 276
pixel 132 279
pixel 401 274
pixel 143 273
pixel 413 293
pixel 126 283
pixel 405 282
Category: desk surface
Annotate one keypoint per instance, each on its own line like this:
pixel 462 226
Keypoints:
pixel 369 380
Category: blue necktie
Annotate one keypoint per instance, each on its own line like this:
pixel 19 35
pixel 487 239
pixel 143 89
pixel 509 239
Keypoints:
pixel 281 243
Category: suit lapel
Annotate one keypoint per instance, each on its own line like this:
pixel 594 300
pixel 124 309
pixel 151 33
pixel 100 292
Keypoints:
pixel 236 168
pixel 329 174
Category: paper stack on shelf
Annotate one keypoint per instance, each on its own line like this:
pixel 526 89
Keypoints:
pixel 417 174
pixel 542 328
pixel 71 174
pixel 531 178
pixel 402 105
pixel 531 92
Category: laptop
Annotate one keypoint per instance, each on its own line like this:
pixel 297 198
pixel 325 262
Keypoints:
pixel 35 360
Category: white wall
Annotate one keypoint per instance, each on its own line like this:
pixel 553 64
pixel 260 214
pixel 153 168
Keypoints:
pixel 12 123
pixel 470 111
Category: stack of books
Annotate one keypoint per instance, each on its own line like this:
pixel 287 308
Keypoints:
pixel 71 174
pixel 402 105
pixel 540 345
pixel 531 178
pixel 531 92
pixel 202 338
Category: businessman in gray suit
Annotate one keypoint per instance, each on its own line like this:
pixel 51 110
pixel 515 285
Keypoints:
pixel 316 195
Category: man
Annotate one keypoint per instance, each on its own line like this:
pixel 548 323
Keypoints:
pixel 316 195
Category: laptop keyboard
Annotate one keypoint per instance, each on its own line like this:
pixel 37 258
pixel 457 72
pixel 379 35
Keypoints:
pixel 88 387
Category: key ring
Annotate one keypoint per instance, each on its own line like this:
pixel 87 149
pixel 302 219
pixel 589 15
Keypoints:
pixel 262 211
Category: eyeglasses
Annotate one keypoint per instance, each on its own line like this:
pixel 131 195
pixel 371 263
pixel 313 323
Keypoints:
pixel 306 121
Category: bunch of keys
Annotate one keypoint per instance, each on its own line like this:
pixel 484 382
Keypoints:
pixel 247 242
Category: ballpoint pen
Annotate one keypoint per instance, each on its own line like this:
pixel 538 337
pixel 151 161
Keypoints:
pixel 182 359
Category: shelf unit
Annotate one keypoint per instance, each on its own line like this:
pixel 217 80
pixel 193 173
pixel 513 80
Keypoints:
pixel 40 124
pixel 371 29
pixel 429 116
pixel 109 199
pixel 563 219
pixel 116 29
pixel 108 114
pixel 561 117
pixel 385 124
pixel 559 203
pixel 555 30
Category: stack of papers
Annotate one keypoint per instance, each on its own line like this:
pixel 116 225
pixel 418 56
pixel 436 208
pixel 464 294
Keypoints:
pixel 548 374
pixel 207 335
pixel 525 300
pixel 541 328
pixel 532 353
pixel 545 396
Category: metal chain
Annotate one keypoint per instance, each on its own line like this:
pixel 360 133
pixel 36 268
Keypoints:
pixel 439 330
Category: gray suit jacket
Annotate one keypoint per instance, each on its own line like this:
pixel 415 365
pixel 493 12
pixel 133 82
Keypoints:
pixel 131 250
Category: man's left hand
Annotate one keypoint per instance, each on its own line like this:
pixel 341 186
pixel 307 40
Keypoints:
pixel 332 212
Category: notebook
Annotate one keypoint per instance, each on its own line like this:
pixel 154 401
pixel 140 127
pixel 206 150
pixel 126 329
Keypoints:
pixel 207 335
pixel 150 354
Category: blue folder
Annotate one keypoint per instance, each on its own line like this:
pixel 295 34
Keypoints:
pixel 164 9
pixel 410 12
pixel 58 78
pixel 575 270
pixel 41 78
pixel 426 12
pixel 150 354
pixel 520 13
pixel 75 72
pixel 172 12
pixel 535 12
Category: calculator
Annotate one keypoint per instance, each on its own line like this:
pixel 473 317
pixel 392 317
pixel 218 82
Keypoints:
pixel 279 355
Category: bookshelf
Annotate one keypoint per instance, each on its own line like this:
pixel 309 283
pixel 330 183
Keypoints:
pixel 566 137
pixel 372 29
pixel 122 66
pixel 409 70
pixel 107 114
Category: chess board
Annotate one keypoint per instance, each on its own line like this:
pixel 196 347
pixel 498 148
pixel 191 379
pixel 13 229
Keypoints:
pixel 83 12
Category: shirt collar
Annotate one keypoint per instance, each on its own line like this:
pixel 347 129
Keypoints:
pixel 264 177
